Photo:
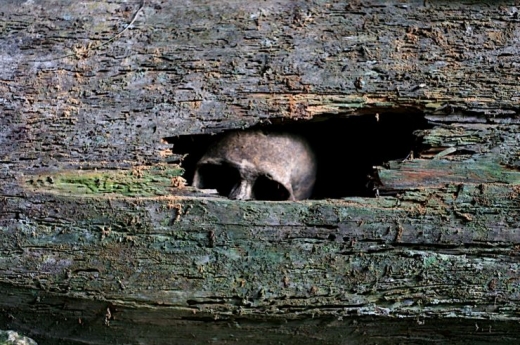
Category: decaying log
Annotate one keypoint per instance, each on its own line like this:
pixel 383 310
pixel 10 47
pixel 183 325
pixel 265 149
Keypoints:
pixel 101 242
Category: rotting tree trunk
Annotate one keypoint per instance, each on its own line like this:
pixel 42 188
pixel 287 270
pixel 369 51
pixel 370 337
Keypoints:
pixel 98 247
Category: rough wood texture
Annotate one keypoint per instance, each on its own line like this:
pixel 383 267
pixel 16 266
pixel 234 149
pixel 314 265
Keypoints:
pixel 99 245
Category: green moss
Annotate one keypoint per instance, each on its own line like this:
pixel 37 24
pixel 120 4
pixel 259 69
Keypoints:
pixel 146 181
pixel 14 338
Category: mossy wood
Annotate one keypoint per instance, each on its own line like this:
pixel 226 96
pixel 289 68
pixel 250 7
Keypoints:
pixel 102 244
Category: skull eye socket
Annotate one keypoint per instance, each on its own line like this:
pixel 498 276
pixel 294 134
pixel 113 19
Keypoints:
pixel 268 189
pixel 221 177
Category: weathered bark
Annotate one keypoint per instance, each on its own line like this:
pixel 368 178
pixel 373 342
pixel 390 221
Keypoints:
pixel 99 246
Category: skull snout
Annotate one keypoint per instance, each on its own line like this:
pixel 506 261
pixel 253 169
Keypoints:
pixel 242 190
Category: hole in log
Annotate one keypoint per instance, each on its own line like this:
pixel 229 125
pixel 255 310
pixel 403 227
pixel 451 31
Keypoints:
pixel 346 150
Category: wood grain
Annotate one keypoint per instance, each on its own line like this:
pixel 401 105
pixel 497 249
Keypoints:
pixel 99 244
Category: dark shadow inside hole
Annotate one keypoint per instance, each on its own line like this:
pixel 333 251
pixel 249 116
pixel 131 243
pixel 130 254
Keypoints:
pixel 220 177
pixel 268 189
pixel 347 149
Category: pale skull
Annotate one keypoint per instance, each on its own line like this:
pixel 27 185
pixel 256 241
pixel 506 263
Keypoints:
pixel 260 166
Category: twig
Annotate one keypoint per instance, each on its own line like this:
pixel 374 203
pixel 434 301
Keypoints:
pixel 126 28
pixel 116 36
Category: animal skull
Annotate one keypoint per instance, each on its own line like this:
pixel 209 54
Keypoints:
pixel 257 165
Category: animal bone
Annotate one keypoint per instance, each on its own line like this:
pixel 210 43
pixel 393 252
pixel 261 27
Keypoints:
pixel 254 165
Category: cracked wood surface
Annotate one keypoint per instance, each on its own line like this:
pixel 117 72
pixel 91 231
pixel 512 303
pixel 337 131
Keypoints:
pixel 205 66
pixel 100 246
